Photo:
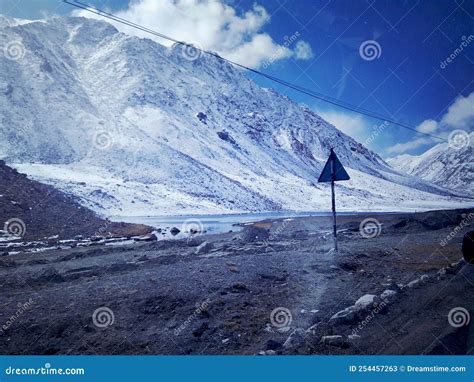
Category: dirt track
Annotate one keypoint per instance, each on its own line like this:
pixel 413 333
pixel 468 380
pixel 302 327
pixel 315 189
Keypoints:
pixel 162 298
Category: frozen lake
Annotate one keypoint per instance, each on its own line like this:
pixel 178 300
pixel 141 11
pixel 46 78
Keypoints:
pixel 217 223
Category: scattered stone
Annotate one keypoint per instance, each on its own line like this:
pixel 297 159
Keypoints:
pixel 424 278
pixel 353 337
pixel 270 352
pixel 455 267
pixel 414 284
pixel 441 273
pixel 234 269
pixel 312 329
pixel 194 241
pixel 147 237
pixel 174 231
pixel 366 302
pixel 225 340
pixel 335 340
pixel 347 316
pixel 204 248
pixel 273 345
pixel 388 294
pixel 295 339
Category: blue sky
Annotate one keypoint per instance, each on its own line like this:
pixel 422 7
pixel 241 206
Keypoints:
pixel 317 44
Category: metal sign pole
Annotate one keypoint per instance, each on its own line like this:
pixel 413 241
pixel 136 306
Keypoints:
pixel 333 200
pixel 333 171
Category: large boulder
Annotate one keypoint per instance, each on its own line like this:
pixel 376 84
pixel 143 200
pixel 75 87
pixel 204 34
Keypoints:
pixel 251 234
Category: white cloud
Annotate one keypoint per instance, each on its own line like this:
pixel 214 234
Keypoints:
pixel 353 125
pixel 211 25
pixel 303 50
pixel 460 114
pixel 416 143
pixel 427 126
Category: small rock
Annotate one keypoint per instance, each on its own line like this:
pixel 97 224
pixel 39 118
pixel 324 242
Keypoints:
pixel 174 231
pixel 353 337
pixel 424 278
pixel 455 267
pixel 441 273
pixel 234 269
pixel 367 302
pixel 225 340
pixel 270 352
pixel 204 248
pixel 295 339
pixel 147 237
pixel 273 345
pixel 388 294
pixel 346 316
pixel 312 329
pixel 335 340
pixel 414 284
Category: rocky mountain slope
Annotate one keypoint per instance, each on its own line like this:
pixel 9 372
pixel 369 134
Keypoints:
pixel 445 165
pixel 134 128
pixel 31 210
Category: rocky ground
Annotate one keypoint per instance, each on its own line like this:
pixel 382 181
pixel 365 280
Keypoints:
pixel 397 286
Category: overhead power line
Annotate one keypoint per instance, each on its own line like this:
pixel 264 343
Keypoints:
pixel 295 87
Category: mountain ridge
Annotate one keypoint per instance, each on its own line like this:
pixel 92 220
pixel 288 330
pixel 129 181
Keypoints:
pixel 132 127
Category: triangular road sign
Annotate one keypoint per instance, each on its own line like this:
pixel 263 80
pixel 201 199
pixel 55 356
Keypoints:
pixel 333 166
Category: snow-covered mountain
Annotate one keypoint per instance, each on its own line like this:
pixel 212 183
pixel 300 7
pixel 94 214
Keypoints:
pixel 446 165
pixel 135 128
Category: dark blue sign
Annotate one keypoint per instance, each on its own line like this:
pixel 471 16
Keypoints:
pixel 333 170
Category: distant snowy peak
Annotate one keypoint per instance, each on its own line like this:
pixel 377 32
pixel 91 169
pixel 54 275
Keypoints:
pixel 134 127
pixel 447 165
